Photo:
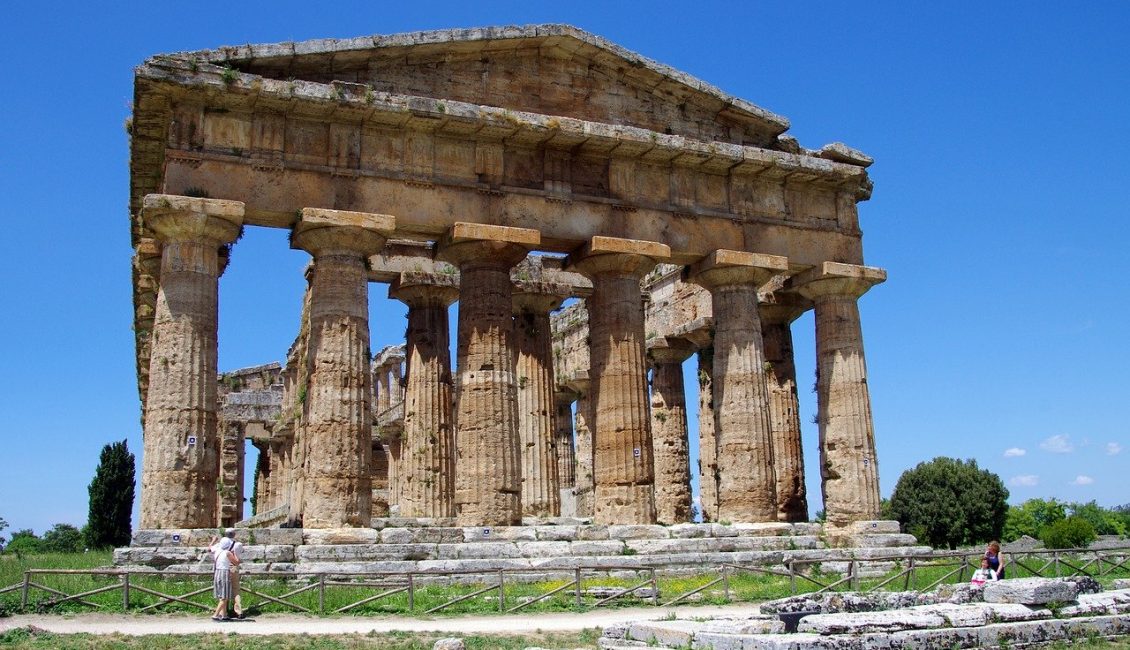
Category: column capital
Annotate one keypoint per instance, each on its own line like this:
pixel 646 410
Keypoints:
pixel 320 231
pixel 529 298
pixel 174 218
pixel 836 279
pixel 488 245
pixel 614 255
pixel 418 289
pixel 665 349
pixel 728 267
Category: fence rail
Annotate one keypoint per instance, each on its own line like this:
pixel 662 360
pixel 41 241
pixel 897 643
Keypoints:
pixel 180 588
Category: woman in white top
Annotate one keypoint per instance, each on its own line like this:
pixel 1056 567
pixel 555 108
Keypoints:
pixel 221 577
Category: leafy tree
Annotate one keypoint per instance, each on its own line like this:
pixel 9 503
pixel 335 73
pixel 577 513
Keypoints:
pixel 1032 517
pixel 949 502
pixel 3 525
pixel 1072 532
pixel 111 498
pixel 1104 522
pixel 63 538
pixel 24 541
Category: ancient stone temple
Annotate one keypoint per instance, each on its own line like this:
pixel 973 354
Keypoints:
pixel 598 218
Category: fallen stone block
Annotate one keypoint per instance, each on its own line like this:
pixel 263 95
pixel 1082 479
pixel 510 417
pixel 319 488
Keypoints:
pixel 1015 613
pixel 974 615
pixel 864 622
pixel 1030 591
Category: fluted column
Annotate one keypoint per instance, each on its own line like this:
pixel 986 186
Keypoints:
pixel 379 480
pixel 337 483
pixel 669 432
pixel 784 410
pixel 383 390
pixel 622 461
pixel 487 463
pixel 230 485
pixel 707 441
pixel 392 449
pixel 566 454
pixel 537 407
pixel 585 485
pixel 427 485
pixel 746 483
pixel 848 464
pixel 180 445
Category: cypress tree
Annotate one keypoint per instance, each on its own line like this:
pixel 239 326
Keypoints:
pixel 111 498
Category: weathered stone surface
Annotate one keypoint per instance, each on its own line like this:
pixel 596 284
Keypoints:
pixel 427 488
pixel 335 536
pixel 537 403
pixel 1030 591
pixel 421 535
pixel 622 461
pixel 180 451
pixel 784 411
pixel 849 466
pixel 671 450
pixel 449 644
pixel 707 438
pixel 863 622
pixel 488 454
pixel 1111 602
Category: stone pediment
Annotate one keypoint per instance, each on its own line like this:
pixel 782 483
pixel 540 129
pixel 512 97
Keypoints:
pixel 555 70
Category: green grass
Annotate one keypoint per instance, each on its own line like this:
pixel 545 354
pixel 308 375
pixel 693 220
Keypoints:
pixel 743 586
pixel 22 638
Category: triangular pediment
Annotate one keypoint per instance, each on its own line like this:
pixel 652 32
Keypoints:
pixel 553 70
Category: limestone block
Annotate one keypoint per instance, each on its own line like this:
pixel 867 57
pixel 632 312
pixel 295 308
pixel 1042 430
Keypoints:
pixel 1030 591
pixel 1085 584
pixel 421 535
pixel 357 567
pixel 449 644
pixel 874 527
pixel 267 553
pixel 543 549
pixel 365 552
pixel 973 615
pixel 556 533
pixel 499 533
pixel 592 532
pixel 723 530
pixel 596 547
pixel 863 622
pixel 637 532
pixel 1110 602
pixel 1121 583
pixel 485 565
pixel 808 528
pixel 762 529
pixel 676 634
pixel 325 536
pixel 882 541
pixel 1013 613
pixel 478 550
pixel 689 531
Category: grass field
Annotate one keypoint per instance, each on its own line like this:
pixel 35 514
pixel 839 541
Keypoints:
pixel 740 586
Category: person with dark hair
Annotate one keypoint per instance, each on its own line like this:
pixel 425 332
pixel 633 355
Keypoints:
pixel 995 558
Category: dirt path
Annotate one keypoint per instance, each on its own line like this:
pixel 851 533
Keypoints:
pixel 140 624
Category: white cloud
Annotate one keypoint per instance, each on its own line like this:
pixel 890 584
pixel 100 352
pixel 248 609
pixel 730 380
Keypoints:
pixel 1014 452
pixel 1059 444
pixel 1113 449
pixel 1083 480
pixel 1024 480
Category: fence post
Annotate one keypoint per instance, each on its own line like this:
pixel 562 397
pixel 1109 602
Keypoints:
pixel 1055 556
pixel 792 576
pixel 125 591
pixel 654 589
pixel 321 593
pixel 909 572
pixel 27 585
pixel 853 576
pixel 726 581
pixel 411 593
pixel 501 590
pixel 577 577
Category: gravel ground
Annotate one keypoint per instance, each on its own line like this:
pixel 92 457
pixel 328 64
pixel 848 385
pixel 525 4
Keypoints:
pixel 142 624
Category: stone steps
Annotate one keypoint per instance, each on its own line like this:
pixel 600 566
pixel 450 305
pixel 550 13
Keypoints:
pixel 437 549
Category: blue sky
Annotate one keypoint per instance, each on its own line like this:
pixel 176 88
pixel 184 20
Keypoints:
pixel 1000 133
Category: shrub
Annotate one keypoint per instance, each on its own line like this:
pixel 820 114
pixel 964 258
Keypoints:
pixel 1072 532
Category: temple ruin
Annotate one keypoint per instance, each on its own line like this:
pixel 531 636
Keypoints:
pixel 599 217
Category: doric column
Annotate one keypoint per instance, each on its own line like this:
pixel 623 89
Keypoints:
pixel 392 449
pixel 669 431
pixel 180 445
pixel 707 441
pixel 848 465
pixel 230 492
pixel 777 313
pixel 379 476
pixel 585 483
pixel 746 485
pixel 487 464
pixel 563 445
pixel 624 478
pixel 383 390
pixel 537 407
pixel 337 489
pixel 427 486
